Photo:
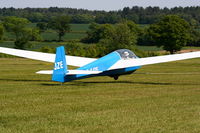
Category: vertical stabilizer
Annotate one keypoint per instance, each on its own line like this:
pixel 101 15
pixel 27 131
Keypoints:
pixel 60 66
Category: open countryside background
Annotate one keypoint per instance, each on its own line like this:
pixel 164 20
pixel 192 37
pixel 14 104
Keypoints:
pixel 157 98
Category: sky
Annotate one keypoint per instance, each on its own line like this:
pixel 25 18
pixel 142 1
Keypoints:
pixel 107 5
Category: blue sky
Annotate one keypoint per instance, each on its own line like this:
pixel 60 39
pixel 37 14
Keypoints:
pixel 97 4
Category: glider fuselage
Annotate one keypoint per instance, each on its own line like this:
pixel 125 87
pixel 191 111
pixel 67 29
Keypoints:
pixel 103 64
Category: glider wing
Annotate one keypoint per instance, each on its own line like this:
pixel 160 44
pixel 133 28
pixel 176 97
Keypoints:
pixel 47 57
pixel 153 60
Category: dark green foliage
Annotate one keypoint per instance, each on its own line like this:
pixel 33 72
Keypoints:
pixel 195 33
pixel 23 35
pixel 1 31
pixel 122 37
pixel 15 25
pixel 172 33
pixel 110 18
pixel 42 26
pixel 21 43
pixel 92 50
pixel 195 38
pixel 112 37
pixel 97 32
pixel 61 25
pixel 82 19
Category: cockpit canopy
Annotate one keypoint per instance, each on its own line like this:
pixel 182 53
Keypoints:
pixel 126 54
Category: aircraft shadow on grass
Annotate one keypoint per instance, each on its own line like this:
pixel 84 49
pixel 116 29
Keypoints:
pixel 89 83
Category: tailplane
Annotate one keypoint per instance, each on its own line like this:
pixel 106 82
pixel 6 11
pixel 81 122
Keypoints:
pixel 60 66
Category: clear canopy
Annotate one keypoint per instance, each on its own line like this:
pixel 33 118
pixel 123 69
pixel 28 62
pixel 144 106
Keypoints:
pixel 126 54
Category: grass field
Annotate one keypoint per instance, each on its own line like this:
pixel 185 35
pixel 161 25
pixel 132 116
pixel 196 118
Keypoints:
pixel 78 31
pixel 162 98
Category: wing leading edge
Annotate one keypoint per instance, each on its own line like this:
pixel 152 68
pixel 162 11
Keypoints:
pixel 153 60
pixel 47 57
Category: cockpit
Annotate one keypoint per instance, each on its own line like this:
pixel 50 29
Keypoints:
pixel 126 54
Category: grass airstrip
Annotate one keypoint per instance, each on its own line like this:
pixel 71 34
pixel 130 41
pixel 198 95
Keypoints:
pixel 161 98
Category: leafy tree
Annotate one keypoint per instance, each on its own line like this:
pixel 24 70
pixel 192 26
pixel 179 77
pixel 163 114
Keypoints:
pixel 35 17
pixel 112 37
pixel 15 25
pixel 98 32
pixel 195 38
pixel 110 18
pixel 28 34
pixel 42 26
pixel 1 31
pixel 172 33
pixel 123 37
pixel 61 25
pixel 18 26
pixel 82 19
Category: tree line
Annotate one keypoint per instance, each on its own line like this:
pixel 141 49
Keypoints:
pixel 171 33
pixel 137 14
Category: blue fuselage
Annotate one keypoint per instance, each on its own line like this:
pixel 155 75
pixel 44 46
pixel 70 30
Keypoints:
pixel 103 64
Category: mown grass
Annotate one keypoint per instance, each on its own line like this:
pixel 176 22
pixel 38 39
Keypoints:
pixel 167 100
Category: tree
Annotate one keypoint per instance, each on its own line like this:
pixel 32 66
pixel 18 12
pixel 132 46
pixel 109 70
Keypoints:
pixel 172 33
pixel 1 31
pixel 15 25
pixel 98 32
pixel 61 25
pixel 82 19
pixel 123 37
pixel 18 26
pixel 42 26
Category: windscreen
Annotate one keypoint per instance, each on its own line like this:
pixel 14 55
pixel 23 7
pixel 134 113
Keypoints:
pixel 126 54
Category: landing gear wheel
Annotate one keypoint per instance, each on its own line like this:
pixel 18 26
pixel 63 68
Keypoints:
pixel 116 77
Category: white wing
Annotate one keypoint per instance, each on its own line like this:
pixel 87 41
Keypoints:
pixel 70 72
pixel 71 60
pixel 153 60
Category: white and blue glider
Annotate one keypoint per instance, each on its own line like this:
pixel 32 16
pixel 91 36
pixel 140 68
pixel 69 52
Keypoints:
pixel 119 62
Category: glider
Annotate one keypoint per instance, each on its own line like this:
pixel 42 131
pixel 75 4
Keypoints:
pixel 119 62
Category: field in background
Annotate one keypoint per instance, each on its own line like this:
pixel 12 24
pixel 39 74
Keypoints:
pixel 38 45
pixel 78 31
pixel 159 98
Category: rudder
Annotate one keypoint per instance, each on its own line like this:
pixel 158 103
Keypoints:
pixel 60 66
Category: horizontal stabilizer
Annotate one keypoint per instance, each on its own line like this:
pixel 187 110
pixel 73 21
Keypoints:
pixel 70 72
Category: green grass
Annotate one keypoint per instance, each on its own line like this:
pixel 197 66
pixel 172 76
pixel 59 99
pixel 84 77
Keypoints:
pixel 80 27
pixel 141 103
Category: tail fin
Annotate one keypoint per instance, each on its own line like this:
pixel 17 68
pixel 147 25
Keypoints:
pixel 60 67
